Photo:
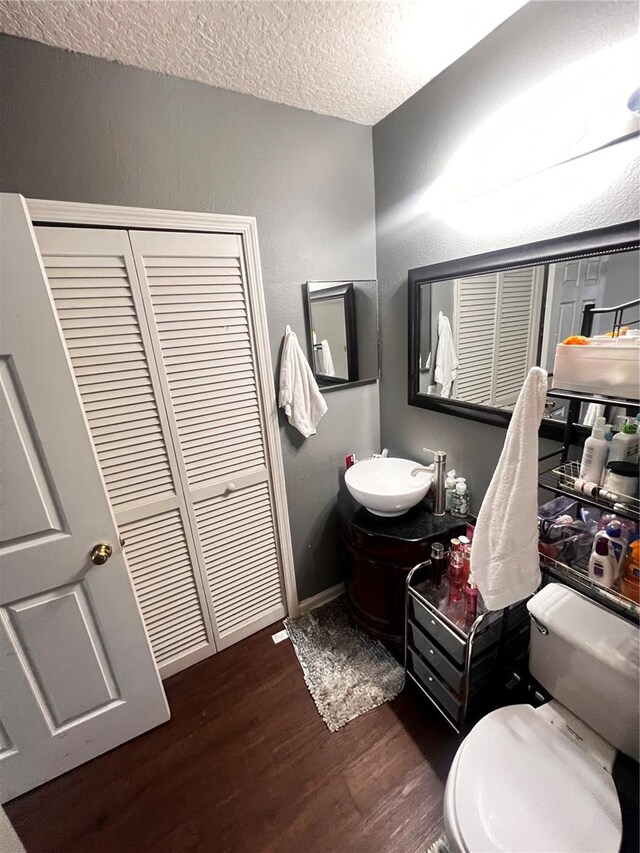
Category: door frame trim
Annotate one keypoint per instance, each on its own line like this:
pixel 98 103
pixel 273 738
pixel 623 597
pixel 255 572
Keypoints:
pixel 44 212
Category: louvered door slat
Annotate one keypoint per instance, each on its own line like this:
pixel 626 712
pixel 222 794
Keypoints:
pixel 93 282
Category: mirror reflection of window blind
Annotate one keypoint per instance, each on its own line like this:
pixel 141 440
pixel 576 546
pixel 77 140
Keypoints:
pixel 497 317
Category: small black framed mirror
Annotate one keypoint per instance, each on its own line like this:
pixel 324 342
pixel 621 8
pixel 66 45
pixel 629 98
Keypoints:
pixel 477 324
pixel 342 332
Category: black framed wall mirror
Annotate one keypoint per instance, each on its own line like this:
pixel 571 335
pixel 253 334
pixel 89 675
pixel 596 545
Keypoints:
pixel 478 324
pixel 342 332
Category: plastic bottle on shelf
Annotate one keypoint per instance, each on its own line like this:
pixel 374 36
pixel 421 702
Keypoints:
pixel 594 455
pixel 470 593
pixel 438 564
pixel 602 565
pixel 614 536
pixel 466 561
pixel 455 576
pixel 625 445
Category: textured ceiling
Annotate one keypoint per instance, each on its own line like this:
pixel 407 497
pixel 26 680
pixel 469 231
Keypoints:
pixel 355 59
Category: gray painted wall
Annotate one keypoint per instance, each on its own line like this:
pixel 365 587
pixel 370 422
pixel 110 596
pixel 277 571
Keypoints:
pixel 83 129
pixel 623 280
pixel 411 148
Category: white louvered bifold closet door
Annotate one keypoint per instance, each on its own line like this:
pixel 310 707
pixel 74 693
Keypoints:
pixel 474 334
pixel 197 299
pixel 96 294
pixel 517 328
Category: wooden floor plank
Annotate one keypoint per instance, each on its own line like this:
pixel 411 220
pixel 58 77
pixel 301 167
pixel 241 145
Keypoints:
pixel 246 764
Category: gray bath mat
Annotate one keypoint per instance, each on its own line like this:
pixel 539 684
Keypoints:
pixel 347 673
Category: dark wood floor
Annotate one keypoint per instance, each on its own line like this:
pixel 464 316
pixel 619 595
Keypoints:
pixel 246 764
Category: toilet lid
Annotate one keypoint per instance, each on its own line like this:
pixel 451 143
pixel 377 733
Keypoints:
pixel 521 785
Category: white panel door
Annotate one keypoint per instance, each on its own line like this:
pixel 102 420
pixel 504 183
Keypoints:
pixel 198 305
pixel 572 285
pixel 78 675
pixel 93 281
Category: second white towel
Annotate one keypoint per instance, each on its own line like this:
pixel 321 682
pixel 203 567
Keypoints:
pixel 504 553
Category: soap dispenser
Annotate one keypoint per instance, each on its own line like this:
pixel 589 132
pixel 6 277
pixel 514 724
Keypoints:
pixel 460 507
pixel 626 443
pixel 449 488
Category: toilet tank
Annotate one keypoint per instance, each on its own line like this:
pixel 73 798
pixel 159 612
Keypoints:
pixel 588 661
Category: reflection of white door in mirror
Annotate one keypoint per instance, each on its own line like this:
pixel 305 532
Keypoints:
pixel 496 331
pixel 572 285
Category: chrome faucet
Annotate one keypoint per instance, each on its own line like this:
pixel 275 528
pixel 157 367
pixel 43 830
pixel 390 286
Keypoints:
pixel 438 468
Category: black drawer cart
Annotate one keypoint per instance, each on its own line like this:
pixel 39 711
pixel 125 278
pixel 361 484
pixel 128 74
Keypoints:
pixel 460 668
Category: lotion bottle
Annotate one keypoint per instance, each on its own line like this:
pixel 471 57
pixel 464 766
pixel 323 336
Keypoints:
pixel 616 543
pixel 602 565
pixel 594 455
pixel 626 443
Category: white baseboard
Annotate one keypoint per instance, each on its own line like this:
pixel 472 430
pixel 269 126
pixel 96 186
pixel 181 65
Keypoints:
pixel 321 598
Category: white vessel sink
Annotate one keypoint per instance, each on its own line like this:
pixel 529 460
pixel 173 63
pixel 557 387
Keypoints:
pixel 385 486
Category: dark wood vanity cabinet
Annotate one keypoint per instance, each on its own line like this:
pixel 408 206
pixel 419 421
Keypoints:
pixel 379 553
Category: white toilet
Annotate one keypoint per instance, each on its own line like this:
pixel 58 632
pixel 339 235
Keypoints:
pixel 528 779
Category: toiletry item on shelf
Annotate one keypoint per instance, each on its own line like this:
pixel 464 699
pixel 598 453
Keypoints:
pixel 455 545
pixel 455 576
pixel 470 592
pixel 621 478
pixel 460 508
pixel 449 486
pixel 630 588
pixel 602 565
pixel 617 544
pixel 605 518
pixel 561 535
pixel 565 539
pixel 438 564
pixel 629 527
pixel 558 506
pixel 350 460
pixel 593 490
pixel 466 561
pixel 630 581
pixel 594 454
pixel 625 445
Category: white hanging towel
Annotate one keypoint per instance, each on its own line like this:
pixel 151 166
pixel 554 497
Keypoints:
pixel 504 553
pixel 327 359
pixel 300 396
pixel 446 357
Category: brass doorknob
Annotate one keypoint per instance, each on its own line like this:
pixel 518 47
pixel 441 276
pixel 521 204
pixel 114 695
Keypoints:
pixel 100 553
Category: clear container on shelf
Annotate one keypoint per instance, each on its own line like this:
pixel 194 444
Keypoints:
pixel 610 369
